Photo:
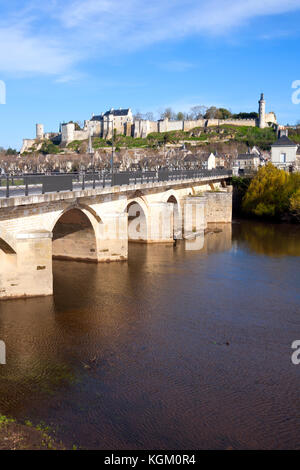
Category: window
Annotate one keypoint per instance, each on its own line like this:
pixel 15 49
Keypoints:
pixel 282 157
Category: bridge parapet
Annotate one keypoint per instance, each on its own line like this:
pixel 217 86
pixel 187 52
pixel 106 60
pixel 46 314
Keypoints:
pixel 17 197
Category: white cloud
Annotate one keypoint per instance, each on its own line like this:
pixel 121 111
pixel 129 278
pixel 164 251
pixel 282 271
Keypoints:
pixel 22 52
pixel 55 36
pixel 137 23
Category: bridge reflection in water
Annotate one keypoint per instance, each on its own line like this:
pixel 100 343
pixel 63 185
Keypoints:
pixel 176 349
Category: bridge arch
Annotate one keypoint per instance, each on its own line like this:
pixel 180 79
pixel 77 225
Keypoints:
pixel 75 234
pixel 8 259
pixel 172 197
pixel 91 214
pixel 7 242
pixel 138 219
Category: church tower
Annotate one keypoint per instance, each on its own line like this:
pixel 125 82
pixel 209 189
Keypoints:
pixel 262 112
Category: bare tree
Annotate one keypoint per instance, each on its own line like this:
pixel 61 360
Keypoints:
pixel 168 113
pixel 198 112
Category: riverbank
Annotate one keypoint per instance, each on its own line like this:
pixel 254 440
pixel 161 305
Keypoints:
pixel 16 436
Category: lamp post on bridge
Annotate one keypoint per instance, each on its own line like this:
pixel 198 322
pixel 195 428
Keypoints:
pixel 112 150
pixel 91 150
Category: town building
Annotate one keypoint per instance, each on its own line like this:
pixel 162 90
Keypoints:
pixel 206 161
pixel 248 161
pixel 283 153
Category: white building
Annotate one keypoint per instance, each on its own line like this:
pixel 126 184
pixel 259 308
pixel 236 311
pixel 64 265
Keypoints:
pixel 119 119
pixel 249 161
pixel 283 153
pixel 209 162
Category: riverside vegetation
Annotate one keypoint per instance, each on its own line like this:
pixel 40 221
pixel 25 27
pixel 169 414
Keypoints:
pixel 16 436
pixel 271 194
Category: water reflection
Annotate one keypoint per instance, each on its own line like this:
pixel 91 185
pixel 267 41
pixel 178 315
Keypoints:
pixel 174 349
pixel 268 239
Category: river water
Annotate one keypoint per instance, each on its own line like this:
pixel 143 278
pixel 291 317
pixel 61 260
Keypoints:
pixel 179 348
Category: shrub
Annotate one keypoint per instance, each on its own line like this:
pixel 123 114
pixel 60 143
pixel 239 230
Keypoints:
pixel 49 147
pixel 271 192
pixel 295 205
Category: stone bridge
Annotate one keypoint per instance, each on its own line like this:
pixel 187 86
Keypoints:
pixel 97 224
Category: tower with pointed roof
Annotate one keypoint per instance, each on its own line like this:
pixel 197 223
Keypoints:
pixel 262 112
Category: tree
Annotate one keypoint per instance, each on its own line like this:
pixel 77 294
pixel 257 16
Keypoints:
pixel 224 113
pixel 180 116
pixel 168 113
pixel 211 113
pixel 198 112
pixel 138 116
pixel 49 147
pixel 252 115
pixel 11 151
pixel 270 192
pixel 295 205
pixel 149 116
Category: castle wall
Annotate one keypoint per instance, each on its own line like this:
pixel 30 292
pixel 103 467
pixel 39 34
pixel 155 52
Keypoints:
pixel 81 135
pixel 235 122
pixel 142 128
pixel 188 125
pixel 94 126
pixel 271 117
pixel 27 144
pixel 167 126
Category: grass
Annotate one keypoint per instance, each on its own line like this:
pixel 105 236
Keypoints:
pixel 17 436
pixel 17 182
pixel 4 420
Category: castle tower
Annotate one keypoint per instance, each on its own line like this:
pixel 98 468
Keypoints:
pixel 67 132
pixel 39 131
pixel 262 112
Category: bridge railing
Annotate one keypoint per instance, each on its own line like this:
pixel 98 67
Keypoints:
pixel 25 185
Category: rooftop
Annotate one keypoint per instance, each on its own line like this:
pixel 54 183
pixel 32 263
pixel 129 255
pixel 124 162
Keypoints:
pixel 114 112
pixel 117 112
pixel 247 156
pixel 284 141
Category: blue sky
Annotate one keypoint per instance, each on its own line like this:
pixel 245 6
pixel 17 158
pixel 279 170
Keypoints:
pixel 67 60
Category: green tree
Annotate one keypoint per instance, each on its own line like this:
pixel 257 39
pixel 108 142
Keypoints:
pixel 269 193
pixel 11 151
pixel 49 147
pixel 295 205
pixel 224 113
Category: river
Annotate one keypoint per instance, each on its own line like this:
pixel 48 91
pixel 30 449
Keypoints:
pixel 178 348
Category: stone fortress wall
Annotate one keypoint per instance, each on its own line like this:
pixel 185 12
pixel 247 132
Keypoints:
pixel 122 121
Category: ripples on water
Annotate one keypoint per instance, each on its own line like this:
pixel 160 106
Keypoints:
pixel 175 349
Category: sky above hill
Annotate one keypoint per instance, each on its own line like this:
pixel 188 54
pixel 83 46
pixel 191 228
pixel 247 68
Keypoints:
pixel 63 61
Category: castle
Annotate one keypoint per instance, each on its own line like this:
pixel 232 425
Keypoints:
pixel 122 122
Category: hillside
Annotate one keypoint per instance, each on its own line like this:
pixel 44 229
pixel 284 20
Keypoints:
pixel 204 137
